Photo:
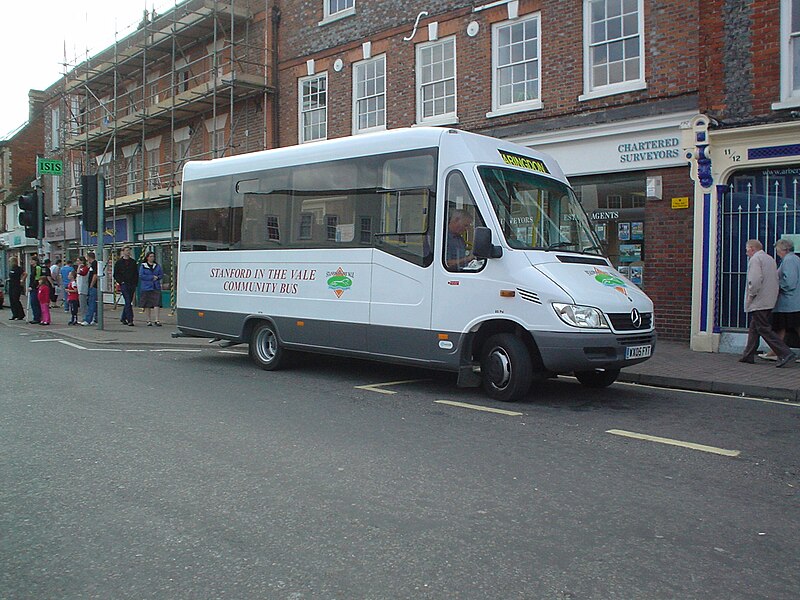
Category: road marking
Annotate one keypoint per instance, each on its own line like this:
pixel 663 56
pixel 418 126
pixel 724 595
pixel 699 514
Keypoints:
pixel 232 352
pixel 717 394
pixel 375 387
pixel 499 411
pixel 60 341
pixel 50 340
pixel 174 350
pixel 671 442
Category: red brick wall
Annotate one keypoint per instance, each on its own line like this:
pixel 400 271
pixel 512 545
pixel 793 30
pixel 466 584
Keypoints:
pixel 671 59
pixel 668 271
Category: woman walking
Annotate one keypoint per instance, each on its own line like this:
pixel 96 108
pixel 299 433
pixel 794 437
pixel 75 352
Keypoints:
pixel 150 276
pixel 16 278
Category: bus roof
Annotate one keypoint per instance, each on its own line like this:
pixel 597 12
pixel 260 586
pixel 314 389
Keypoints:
pixel 464 146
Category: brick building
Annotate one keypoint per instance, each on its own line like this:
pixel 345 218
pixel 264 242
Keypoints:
pixel 745 150
pixel 18 154
pixel 605 86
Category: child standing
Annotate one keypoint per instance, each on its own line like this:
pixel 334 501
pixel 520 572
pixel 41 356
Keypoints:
pixel 43 294
pixel 72 297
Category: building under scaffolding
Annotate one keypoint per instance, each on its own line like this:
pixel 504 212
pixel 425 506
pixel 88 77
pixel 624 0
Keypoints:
pixel 191 83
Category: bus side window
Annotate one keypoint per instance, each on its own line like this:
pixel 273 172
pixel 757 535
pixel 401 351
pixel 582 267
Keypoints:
pixel 461 218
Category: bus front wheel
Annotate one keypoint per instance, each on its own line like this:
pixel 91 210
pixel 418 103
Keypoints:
pixel 265 348
pixel 506 368
pixel 597 378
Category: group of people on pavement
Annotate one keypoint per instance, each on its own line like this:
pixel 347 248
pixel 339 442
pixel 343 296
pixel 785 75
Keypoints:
pixel 76 285
pixel 772 299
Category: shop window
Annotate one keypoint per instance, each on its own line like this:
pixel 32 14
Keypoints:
pixel 616 209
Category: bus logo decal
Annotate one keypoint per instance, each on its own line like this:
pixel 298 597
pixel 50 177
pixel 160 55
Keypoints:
pixel 610 280
pixel 339 282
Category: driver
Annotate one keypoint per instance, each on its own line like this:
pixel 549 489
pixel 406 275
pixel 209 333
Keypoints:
pixel 456 254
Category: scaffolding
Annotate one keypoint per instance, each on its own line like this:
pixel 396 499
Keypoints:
pixel 193 82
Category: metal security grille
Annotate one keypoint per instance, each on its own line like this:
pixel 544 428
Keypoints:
pixel 760 204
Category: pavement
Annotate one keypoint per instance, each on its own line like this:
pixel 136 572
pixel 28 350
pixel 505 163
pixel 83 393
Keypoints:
pixel 673 364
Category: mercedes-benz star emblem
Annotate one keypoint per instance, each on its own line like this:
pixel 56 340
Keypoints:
pixel 636 319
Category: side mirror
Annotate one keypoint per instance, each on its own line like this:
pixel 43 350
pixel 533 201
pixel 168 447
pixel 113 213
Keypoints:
pixel 482 246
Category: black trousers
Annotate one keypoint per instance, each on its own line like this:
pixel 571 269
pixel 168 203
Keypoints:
pixel 16 306
pixel 761 326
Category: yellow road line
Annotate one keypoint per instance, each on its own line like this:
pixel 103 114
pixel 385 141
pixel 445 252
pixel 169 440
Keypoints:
pixel 499 411
pixel 671 442
pixel 375 387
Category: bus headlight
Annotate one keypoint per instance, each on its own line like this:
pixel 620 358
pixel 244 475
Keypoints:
pixel 585 317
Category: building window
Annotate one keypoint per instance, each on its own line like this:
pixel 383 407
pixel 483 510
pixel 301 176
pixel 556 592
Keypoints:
pixel 55 128
pixel 613 46
pixel 436 82
pixel 365 236
pixel 331 224
pixel 306 221
pixel 369 95
pixel 132 169
pixel 182 80
pixel 516 65
pixel 314 108
pixel 153 177
pixel 182 149
pixel 336 9
pixel 218 143
pixel 790 55
pixel 273 229
pixel 55 191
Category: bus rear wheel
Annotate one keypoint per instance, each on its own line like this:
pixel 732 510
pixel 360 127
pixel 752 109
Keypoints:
pixel 597 378
pixel 506 368
pixel 265 348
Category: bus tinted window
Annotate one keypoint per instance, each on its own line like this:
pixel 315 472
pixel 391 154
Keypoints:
pixel 383 201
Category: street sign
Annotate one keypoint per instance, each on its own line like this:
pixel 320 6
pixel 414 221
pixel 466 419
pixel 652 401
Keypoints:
pixel 49 166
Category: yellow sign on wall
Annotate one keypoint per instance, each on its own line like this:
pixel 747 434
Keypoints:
pixel 682 202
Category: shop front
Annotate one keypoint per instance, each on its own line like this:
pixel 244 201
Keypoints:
pixel 632 179
pixel 62 237
pixel 746 186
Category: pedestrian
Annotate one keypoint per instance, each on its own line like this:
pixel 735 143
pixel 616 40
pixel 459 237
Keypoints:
pixel 82 280
pixel 72 297
pixel 33 288
pixel 150 275
pixel 53 280
pixel 43 294
pixel 90 317
pixel 760 297
pixel 786 314
pixel 16 279
pixel 127 276
pixel 66 269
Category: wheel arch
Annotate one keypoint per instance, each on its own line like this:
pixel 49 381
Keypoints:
pixel 482 331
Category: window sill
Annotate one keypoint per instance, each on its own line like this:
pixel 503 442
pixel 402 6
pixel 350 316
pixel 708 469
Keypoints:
pixel 510 110
pixel 369 130
pixel 438 121
pixel 631 86
pixel 338 16
pixel 791 102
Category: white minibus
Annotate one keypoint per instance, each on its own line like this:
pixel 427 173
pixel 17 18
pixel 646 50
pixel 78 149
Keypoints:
pixel 424 246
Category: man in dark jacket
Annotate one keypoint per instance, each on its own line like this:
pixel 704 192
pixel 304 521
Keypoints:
pixel 126 274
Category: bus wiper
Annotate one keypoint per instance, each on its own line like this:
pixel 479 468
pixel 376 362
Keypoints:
pixel 560 245
pixel 591 248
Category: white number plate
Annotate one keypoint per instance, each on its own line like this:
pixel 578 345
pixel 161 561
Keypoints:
pixel 638 352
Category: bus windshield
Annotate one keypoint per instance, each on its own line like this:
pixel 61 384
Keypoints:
pixel 537 213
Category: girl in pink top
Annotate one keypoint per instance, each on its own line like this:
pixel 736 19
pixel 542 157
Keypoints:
pixel 43 293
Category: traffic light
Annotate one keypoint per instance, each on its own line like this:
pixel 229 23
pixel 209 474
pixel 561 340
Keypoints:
pixel 31 215
pixel 89 202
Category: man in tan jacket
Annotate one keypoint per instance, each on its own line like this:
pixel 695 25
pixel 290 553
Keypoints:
pixel 760 297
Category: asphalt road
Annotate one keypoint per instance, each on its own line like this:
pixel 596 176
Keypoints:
pixel 147 474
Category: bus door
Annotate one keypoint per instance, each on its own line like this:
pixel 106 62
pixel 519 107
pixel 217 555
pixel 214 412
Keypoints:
pixel 402 277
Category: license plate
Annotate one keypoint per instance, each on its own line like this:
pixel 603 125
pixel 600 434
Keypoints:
pixel 637 352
